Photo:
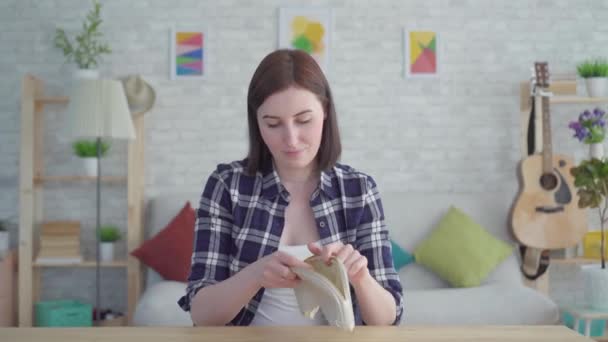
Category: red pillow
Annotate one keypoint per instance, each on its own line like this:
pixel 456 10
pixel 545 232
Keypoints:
pixel 170 251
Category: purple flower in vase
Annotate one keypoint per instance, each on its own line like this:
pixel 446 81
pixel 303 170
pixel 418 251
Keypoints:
pixel 586 115
pixel 590 127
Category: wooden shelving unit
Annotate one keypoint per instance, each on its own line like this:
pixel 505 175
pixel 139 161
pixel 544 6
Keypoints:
pixel 85 264
pixel 69 179
pixel 31 186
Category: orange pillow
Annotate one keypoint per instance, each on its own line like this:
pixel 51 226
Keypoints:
pixel 170 251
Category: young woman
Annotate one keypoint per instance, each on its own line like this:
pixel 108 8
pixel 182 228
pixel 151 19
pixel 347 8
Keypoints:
pixel 287 200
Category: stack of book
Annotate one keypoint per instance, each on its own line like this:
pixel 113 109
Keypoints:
pixel 59 242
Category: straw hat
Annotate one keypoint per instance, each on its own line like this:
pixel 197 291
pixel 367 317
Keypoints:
pixel 140 95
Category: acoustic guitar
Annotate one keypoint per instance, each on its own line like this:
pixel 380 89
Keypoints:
pixel 545 214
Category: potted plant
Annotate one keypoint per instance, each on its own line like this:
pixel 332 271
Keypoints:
pixel 591 181
pixel 86 49
pixel 595 73
pixel 87 150
pixel 108 235
pixel 590 128
pixel 4 237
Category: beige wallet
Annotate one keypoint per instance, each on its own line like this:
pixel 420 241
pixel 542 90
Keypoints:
pixel 325 287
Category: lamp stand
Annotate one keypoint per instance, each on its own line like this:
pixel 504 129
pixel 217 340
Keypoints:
pixel 97 233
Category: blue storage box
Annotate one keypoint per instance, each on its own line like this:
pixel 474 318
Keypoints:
pixel 597 325
pixel 63 313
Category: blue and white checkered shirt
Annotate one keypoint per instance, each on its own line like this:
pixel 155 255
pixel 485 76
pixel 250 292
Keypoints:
pixel 241 217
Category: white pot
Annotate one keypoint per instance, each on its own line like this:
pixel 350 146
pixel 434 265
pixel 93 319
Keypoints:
pixel 596 86
pixel 106 251
pixel 90 166
pixel 4 237
pixel 596 286
pixel 596 150
pixel 90 74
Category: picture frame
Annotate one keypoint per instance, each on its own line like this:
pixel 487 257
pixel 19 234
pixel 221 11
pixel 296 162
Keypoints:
pixel 307 28
pixel 422 53
pixel 188 52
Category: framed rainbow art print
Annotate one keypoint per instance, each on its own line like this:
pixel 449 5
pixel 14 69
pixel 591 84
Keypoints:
pixel 188 53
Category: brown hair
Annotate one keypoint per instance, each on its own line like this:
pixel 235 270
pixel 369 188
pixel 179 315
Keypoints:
pixel 278 71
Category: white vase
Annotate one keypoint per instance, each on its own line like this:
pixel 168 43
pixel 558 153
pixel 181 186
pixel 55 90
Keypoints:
pixel 4 237
pixel 106 251
pixel 90 166
pixel 596 86
pixel 596 285
pixel 596 150
pixel 90 74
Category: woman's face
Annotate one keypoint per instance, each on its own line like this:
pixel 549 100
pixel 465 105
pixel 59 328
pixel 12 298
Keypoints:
pixel 291 123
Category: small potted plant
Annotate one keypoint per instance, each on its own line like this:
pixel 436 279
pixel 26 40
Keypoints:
pixel 108 235
pixel 86 49
pixel 595 73
pixel 591 181
pixel 4 237
pixel 87 150
pixel 590 128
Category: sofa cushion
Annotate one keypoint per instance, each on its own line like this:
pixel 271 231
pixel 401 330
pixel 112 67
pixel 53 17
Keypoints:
pixel 497 304
pixel 169 252
pixel 401 257
pixel 461 251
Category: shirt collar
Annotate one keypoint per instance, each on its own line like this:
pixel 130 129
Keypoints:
pixel 272 186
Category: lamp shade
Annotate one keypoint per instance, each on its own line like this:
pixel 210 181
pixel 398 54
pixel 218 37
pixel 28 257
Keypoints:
pixel 98 108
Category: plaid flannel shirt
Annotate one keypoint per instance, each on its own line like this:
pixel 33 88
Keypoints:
pixel 240 220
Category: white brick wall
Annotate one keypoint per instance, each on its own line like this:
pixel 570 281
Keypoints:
pixel 457 133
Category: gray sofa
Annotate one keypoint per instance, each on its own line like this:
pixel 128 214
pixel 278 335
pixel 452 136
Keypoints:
pixel 502 299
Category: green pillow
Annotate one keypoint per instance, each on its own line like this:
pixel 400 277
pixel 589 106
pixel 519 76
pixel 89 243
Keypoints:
pixel 401 257
pixel 461 251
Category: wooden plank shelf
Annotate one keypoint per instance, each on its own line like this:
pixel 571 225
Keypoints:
pixel 577 99
pixel 84 264
pixel 52 100
pixel 67 179
pixel 575 261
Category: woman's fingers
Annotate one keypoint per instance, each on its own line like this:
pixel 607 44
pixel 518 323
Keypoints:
pixel 330 250
pixel 351 258
pixel 315 248
pixel 290 261
pixel 345 252
pixel 357 266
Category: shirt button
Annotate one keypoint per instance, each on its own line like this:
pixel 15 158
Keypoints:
pixel 322 224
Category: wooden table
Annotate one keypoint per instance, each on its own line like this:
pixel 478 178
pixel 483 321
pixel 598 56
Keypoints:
pixel 552 333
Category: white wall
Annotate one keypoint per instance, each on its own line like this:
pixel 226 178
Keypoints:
pixel 455 133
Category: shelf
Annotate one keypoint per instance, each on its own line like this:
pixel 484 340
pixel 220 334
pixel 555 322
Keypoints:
pixel 578 99
pixel 89 263
pixel 52 100
pixel 67 179
pixel 575 261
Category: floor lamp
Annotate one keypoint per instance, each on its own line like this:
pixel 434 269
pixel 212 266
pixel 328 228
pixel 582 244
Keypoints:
pixel 98 109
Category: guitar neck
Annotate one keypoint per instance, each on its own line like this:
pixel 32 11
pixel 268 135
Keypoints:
pixel 547 147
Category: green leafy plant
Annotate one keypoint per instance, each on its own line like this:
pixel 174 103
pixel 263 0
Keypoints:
pixel 109 233
pixel 86 50
pixel 88 148
pixel 593 68
pixel 591 181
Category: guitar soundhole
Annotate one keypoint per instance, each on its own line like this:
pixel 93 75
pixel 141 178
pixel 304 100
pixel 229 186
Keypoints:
pixel 548 181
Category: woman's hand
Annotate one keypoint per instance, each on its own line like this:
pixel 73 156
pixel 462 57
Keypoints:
pixel 274 270
pixel 354 262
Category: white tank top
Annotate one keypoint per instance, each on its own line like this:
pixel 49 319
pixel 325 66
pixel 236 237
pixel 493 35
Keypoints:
pixel 280 306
